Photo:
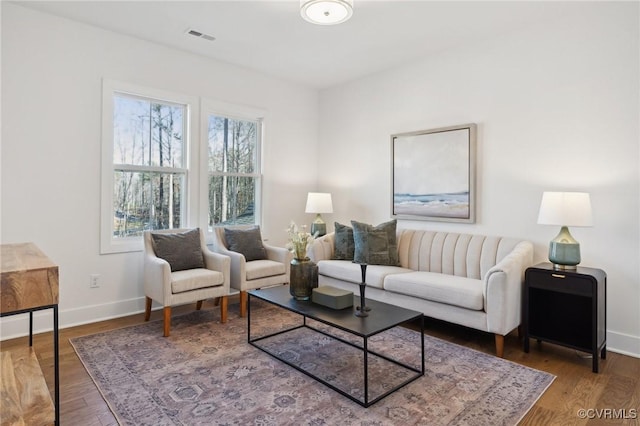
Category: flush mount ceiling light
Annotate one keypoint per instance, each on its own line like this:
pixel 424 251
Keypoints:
pixel 326 12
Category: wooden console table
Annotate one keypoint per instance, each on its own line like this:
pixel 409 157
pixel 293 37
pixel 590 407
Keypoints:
pixel 29 282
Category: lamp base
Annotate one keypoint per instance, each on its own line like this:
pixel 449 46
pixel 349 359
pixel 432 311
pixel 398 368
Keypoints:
pixel 559 267
pixel 319 226
pixel 564 251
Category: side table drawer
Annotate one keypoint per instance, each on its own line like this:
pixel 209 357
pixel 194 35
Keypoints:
pixel 560 282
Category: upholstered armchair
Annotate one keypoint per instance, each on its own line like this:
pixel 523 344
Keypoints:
pixel 180 269
pixel 254 264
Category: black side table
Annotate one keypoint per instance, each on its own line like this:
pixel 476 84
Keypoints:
pixel 568 308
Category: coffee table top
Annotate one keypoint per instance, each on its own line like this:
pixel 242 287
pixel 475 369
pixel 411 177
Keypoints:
pixel 382 316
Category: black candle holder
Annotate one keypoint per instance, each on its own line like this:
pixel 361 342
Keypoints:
pixel 362 310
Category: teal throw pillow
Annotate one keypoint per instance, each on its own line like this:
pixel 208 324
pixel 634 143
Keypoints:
pixel 344 246
pixel 247 242
pixel 375 245
pixel 182 250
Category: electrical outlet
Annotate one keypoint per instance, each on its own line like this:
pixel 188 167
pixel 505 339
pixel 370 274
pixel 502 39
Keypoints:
pixel 94 280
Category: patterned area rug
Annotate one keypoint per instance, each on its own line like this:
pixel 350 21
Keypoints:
pixel 206 373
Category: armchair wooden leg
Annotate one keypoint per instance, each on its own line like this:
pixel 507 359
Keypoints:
pixel 243 304
pixel 198 305
pixel 223 309
pixel 499 345
pixel 216 301
pixel 147 309
pixel 167 320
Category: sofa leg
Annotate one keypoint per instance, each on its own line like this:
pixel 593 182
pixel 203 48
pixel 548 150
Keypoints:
pixel 147 309
pixel 167 320
pixel 500 345
pixel 198 305
pixel 223 309
pixel 243 304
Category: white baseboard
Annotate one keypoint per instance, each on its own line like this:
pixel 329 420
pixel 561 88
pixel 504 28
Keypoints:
pixel 18 325
pixel 624 344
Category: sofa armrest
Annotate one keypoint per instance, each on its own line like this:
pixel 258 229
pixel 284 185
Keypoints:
pixel 322 248
pixel 503 289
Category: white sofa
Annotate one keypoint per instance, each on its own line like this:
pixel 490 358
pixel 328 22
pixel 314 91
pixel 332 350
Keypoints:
pixel 472 280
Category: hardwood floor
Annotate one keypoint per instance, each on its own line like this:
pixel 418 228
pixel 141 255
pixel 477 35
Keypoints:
pixel 609 395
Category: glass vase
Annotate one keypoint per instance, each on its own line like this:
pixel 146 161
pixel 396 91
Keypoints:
pixel 303 278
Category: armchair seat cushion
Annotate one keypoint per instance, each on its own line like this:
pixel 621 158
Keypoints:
pixel 442 288
pixel 194 279
pixel 257 269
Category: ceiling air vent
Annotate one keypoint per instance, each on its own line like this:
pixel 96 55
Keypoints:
pixel 200 35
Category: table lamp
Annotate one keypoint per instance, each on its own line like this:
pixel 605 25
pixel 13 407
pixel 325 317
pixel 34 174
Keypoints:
pixel 565 209
pixel 319 202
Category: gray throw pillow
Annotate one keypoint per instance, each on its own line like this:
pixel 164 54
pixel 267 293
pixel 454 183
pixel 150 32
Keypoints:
pixel 182 250
pixel 344 247
pixel 375 245
pixel 247 242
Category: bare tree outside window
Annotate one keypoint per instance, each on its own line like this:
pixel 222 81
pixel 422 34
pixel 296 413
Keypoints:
pixel 233 170
pixel 148 157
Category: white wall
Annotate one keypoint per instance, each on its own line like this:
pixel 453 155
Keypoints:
pixel 557 109
pixel 52 70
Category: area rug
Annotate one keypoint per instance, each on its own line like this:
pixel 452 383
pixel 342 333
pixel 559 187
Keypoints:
pixel 206 373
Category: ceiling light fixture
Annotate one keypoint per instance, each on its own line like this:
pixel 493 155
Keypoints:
pixel 326 12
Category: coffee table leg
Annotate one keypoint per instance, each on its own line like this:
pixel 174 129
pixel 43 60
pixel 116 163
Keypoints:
pixel 422 341
pixel 366 373
pixel 249 317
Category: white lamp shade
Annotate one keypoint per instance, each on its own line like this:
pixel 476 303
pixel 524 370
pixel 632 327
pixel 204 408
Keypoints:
pixel 319 202
pixel 565 209
pixel 326 12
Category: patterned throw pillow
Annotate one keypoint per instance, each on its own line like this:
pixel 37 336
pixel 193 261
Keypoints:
pixel 375 245
pixel 344 247
pixel 182 250
pixel 247 242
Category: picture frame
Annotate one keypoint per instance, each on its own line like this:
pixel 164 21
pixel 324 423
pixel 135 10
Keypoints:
pixel 433 174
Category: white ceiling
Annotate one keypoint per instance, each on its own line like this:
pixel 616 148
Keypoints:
pixel 272 38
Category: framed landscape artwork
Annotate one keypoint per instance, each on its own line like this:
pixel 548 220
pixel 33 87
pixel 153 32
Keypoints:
pixel 433 174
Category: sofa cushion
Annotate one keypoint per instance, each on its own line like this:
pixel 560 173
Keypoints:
pixel 348 271
pixel 263 268
pixel 375 245
pixel 450 289
pixel 343 244
pixel 247 242
pixel 181 249
pixel 194 279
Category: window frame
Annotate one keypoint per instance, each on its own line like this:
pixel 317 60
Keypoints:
pixel 109 244
pixel 210 107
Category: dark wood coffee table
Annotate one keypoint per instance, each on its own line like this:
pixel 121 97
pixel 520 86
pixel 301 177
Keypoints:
pixel 382 317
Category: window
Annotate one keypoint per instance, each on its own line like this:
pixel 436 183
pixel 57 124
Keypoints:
pixel 149 176
pixel 145 165
pixel 155 177
pixel 233 166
